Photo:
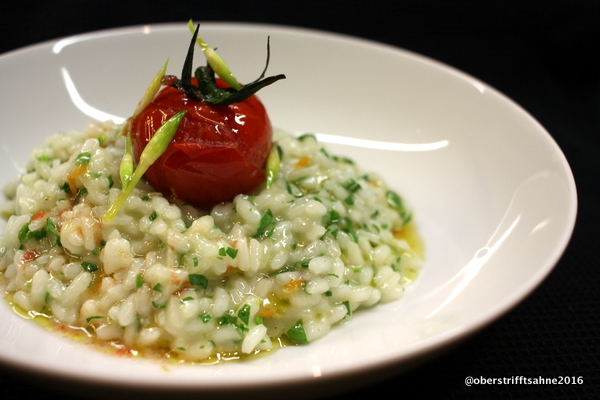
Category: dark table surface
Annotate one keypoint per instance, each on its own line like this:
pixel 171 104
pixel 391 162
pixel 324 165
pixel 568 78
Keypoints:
pixel 542 54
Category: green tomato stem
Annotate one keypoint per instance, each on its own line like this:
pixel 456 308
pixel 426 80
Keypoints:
pixel 154 149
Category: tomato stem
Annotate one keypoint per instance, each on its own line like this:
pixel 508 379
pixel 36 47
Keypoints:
pixel 206 89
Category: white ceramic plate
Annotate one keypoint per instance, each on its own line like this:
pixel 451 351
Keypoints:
pixel 493 195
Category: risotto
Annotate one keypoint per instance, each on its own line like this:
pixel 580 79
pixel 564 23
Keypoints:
pixel 282 265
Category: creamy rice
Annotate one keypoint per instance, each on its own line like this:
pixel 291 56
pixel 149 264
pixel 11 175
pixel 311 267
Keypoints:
pixel 286 263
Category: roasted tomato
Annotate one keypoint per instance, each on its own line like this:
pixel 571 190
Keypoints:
pixel 218 152
pixel 222 143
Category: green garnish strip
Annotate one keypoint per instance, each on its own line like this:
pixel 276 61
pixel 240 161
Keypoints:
pixel 152 89
pixel 148 96
pixel 154 149
pixel 126 168
pixel 215 61
pixel 273 165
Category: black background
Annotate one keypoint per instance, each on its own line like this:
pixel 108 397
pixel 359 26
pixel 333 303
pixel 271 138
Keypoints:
pixel 542 54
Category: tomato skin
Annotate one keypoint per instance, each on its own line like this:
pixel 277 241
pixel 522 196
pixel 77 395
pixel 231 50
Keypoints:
pixel 217 153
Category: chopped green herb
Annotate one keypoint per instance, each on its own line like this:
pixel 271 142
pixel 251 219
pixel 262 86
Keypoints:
pixel 265 225
pixel 348 309
pixel 81 192
pixel 156 305
pixel 52 229
pixel 395 264
pixel 153 216
pixel 89 267
pixel 139 281
pixel 158 288
pixel 334 217
pixel 395 201
pixel 228 319
pixel 297 333
pixel 66 188
pixel 352 186
pixel 94 317
pixel 345 160
pixel 25 234
pixel 352 234
pixel 293 190
pixel 83 158
pixel 198 280
pixel 205 317
pixel 44 158
pixel 231 252
pixel 305 136
pixel 98 249
pixel 244 314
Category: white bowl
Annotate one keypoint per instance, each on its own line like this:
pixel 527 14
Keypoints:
pixel 492 194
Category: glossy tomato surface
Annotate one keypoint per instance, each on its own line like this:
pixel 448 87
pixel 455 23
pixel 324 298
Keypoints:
pixel 217 153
